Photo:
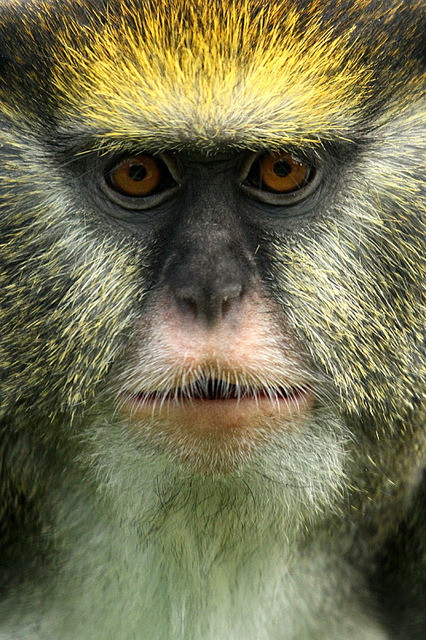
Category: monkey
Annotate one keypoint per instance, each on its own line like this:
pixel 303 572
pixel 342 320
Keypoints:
pixel 212 300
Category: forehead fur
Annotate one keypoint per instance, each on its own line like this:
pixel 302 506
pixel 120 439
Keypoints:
pixel 234 72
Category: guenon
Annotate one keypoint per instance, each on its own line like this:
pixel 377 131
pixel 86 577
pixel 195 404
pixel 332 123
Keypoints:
pixel 212 295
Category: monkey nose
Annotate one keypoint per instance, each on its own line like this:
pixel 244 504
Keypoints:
pixel 208 304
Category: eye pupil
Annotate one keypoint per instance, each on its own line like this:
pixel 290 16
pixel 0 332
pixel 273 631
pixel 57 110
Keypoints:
pixel 282 168
pixel 137 172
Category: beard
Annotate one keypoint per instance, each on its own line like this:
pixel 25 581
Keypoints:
pixel 287 484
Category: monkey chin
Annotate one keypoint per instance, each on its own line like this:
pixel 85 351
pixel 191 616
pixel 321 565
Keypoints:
pixel 215 436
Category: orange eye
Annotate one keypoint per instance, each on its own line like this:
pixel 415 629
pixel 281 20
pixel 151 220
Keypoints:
pixel 282 173
pixel 136 176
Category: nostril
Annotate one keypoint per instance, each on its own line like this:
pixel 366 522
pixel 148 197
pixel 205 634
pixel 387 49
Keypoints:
pixel 187 302
pixel 226 305
pixel 228 298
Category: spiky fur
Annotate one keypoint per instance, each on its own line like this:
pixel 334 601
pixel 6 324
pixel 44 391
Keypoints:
pixel 105 538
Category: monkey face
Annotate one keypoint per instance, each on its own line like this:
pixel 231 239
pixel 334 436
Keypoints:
pixel 214 365
pixel 215 251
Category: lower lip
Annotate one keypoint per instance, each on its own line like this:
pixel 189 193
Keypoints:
pixel 211 414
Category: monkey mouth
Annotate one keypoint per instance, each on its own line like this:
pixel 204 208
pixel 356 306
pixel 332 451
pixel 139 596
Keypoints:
pixel 219 390
pixel 213 424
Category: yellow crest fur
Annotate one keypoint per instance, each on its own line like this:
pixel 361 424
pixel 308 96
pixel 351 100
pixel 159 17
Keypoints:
pixel 213 71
